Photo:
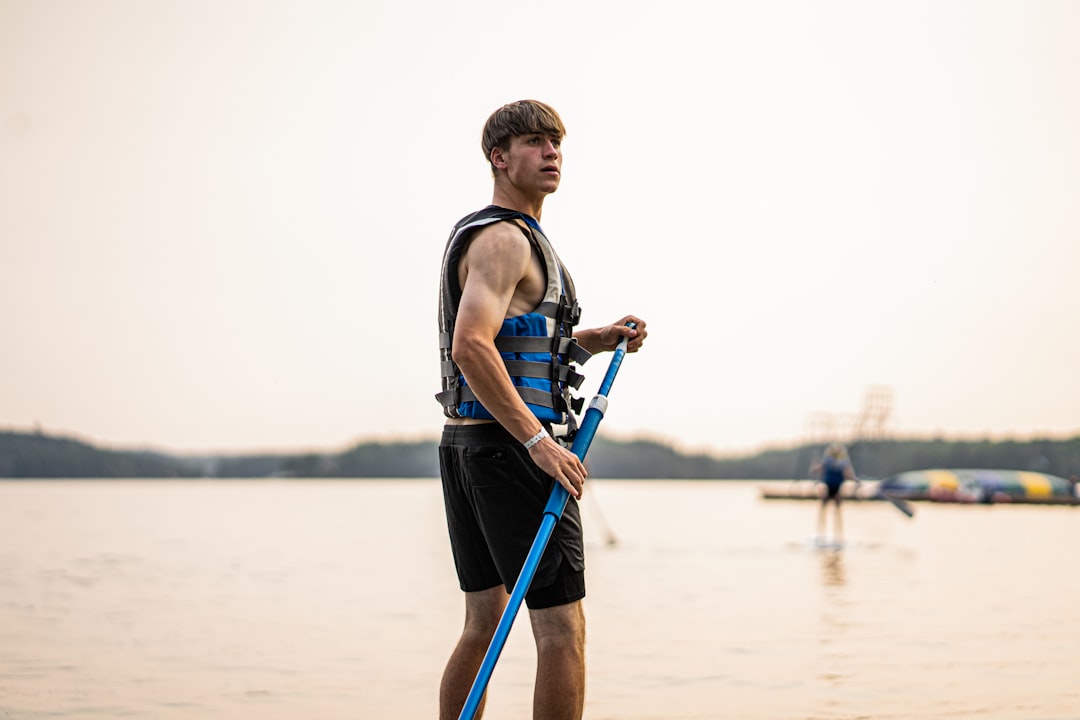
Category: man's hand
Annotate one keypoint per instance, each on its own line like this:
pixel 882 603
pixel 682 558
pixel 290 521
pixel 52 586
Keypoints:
pixel 607 338
pixel 561 464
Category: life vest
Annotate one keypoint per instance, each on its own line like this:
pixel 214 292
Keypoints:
pixel 537 348
pixel 832 471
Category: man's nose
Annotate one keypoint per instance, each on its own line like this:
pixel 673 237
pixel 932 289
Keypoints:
pixel 550 150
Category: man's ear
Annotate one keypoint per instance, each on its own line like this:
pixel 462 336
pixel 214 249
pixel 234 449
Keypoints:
pixel 498 158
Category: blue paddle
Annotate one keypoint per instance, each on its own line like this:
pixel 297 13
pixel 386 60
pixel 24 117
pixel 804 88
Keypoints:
pixel 897 503
pixel 552 513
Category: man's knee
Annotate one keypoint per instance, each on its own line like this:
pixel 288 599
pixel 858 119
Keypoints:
pixel 483 609
pixel 561 624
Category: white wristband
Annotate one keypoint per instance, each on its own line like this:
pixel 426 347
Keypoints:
pixel 536 438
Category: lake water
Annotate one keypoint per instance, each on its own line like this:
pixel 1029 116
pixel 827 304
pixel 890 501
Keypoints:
pixel 334 600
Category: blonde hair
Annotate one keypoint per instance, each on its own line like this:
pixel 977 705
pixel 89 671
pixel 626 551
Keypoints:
pixel 520 118
pixel 837 451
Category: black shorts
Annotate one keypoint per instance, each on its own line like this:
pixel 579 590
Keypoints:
pixel 495 498
pixel 832 490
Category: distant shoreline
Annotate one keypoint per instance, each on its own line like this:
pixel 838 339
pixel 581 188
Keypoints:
pixel 40 455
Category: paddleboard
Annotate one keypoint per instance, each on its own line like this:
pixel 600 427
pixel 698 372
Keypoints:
pixel 825 544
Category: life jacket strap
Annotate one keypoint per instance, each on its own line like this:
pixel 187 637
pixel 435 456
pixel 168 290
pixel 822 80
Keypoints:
pixel 533 396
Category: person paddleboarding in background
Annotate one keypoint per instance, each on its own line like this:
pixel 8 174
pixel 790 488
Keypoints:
pixel 834 469
pixel 508 346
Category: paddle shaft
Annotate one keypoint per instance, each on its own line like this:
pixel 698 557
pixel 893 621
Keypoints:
pixel 552 513
pixel 897 503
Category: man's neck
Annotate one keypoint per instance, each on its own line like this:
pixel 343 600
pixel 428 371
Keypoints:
pixel 519 202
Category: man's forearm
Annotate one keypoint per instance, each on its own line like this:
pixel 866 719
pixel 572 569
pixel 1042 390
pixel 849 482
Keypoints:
pixel 486 374
pixel 589 339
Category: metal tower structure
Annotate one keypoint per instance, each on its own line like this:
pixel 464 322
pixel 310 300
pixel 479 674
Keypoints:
pixel 873 421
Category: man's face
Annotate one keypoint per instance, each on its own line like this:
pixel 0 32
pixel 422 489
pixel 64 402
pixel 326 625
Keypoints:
pixel 534 162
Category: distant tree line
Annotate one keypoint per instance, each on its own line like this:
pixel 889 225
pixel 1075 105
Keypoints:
pixel 36 455
pixel 871 459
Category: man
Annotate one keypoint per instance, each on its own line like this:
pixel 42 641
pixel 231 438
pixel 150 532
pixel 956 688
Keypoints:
pixel 508 309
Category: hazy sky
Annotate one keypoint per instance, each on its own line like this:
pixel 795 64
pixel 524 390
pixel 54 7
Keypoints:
pixel 221 222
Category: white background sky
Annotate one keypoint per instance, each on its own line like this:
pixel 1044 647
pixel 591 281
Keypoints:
pixel 221 222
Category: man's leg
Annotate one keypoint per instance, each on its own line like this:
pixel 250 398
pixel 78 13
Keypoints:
pixel 560 662
pixel 483 610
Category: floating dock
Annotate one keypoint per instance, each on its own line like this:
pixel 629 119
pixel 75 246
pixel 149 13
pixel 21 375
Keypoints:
pixel 971 486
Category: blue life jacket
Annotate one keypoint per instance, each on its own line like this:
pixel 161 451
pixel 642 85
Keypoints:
pixel 537 348
pixel 832 470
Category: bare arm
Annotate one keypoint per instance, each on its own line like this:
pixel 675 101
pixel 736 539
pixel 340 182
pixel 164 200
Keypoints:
pixel 500 279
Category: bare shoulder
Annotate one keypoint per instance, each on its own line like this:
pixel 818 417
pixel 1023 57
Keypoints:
pixel 505 232
pixel 500 267
pixel 499 244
